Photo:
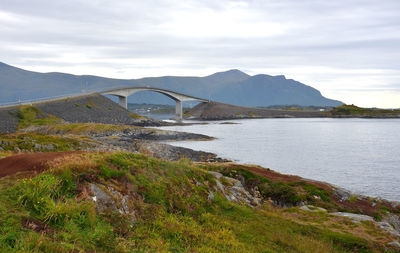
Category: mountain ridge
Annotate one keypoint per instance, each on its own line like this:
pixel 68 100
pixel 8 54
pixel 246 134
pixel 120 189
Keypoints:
pixel 232 86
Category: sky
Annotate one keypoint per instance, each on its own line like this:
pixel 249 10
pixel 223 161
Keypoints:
pixel 347 49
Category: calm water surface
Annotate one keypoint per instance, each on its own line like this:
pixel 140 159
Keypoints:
pixel 362 155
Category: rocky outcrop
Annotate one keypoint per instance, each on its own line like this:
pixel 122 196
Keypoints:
pixel 169 152
pixel 125 131
pixel 354 217
pixel 108 199
pixel 234 191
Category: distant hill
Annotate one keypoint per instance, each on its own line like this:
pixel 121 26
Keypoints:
pixel 232 86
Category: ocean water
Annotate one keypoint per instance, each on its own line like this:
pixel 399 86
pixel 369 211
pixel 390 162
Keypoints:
pixel 361 155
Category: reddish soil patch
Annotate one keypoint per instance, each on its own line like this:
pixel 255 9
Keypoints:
pixel 277 177
pixel 36 162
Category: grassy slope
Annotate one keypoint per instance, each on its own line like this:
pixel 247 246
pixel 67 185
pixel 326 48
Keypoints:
pixel 31 116
pixel 171 209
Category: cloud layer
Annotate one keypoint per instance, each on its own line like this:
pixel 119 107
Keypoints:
pixel 348 49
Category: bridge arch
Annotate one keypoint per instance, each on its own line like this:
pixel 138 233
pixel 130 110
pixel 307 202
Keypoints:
pixel 123 93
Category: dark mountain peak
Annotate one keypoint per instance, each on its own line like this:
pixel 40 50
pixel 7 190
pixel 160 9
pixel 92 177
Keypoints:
pixel 231 72
pixel 269 77
pixel 233 75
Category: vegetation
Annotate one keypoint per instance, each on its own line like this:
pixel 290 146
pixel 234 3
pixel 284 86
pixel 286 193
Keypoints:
pixel 348 110
pixel 32 116
pixel 31 141
pixel 82 128
pixel 137 116
pixel 50 212
pixel 291 193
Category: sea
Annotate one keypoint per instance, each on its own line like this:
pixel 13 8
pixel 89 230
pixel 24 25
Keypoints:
pixel 361 155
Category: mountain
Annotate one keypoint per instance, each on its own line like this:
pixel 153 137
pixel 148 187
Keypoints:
pixel 232 86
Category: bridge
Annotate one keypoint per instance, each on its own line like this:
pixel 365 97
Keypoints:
pixel 123 93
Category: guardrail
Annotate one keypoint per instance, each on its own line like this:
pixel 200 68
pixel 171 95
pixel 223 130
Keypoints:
pixel 46 99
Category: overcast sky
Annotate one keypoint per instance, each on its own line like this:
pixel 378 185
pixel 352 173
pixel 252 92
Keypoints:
pixel 348 49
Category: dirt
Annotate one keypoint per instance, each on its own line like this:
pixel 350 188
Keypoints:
pixel 277 177
pixel 35 162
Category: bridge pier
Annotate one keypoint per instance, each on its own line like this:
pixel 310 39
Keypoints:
pixel 123 101
pixel 124 92
pixel 178 110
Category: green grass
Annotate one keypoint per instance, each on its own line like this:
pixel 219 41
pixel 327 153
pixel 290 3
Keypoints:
pixel 355 110
pixel 289 193
pixel 84 128
pixel 30 141
pixel 172 213
pixel 32 116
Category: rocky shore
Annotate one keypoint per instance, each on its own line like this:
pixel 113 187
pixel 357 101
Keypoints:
pixel 220 111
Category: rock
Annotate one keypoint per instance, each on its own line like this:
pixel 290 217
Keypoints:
pixel 215 174
pixel 395 204
pixel 210 196
pixel 241 179
pixel 108 199
pixel 388 228
pixel 395 244
pixel 234 190
pixel 312 208
pixel 393 220
pixel 354 217
pixel 343 194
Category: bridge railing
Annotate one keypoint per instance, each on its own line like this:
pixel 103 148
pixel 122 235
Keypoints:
pixel 44 99
pixel 82 93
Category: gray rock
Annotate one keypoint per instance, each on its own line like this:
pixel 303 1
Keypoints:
pixel 234 190
pixel 393 220
pixel 343 194
pixel 394 244
pixel 210 196
pixel 104 202
pixel 312 208
pixel 354 217
pixel 108 199
pixel 388 228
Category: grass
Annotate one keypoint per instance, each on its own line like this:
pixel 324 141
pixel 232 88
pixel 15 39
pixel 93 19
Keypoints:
pixel 137 116
pixel 30 141
pixel 280 192
pixel 355 110
pixel 171 209
pixel 32 116
pixel 5 154
pixel 82 128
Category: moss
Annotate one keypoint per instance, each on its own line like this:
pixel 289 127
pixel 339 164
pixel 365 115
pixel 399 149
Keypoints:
pixel 377 216
pixel 88 106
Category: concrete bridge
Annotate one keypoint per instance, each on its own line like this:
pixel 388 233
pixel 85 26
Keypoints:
pixel 123 93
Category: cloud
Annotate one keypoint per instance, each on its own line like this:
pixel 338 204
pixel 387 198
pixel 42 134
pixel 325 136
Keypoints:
pixel 334 46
